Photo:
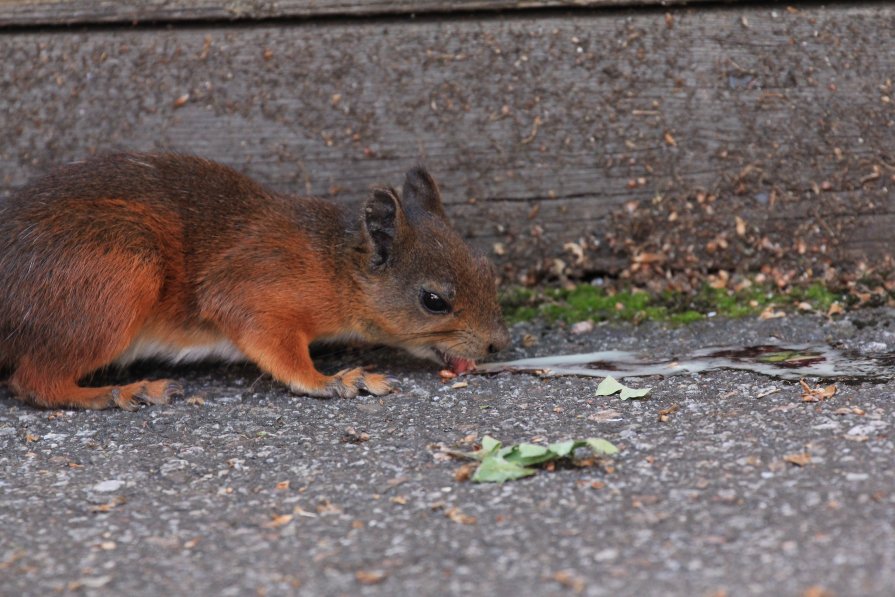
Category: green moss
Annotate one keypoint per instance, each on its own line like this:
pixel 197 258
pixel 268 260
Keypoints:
pixel 586 302
pixel 817 295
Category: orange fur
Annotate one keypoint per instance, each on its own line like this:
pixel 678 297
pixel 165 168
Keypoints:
pixel 136 255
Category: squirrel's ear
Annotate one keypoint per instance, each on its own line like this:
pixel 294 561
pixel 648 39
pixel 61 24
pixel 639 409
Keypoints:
pixel 421 190
pixel 383 220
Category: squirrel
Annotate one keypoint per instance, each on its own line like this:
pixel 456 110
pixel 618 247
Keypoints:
pixel 129 256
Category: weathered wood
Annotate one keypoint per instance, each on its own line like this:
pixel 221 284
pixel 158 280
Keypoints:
pixel 595 130
pixel 54 12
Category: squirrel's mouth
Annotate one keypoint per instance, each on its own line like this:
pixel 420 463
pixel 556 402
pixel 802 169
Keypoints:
pixel 455 363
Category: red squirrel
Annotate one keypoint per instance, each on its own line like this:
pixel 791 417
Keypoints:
pixel 130 256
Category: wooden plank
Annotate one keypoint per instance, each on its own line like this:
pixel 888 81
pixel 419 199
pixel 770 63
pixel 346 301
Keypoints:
pixel 625 135
pixel 55 12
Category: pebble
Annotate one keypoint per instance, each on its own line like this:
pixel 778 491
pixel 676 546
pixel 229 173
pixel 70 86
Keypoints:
pixel 582 327
pixel 110 485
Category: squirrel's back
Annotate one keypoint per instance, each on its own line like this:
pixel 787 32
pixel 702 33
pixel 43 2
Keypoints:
pixel 178 218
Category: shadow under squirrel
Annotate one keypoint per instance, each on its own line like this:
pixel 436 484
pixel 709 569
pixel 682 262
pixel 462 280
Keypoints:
pixel 128 256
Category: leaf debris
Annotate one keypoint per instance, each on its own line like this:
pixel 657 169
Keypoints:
pixel 457 515
pixel 610 386
pixel 498 463
pixel 570 580
pixel 818 394
pixel 799 459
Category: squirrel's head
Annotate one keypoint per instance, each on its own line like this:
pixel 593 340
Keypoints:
pixel 425 290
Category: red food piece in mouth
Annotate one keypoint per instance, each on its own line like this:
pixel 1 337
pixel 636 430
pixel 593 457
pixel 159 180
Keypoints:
pixel 460 365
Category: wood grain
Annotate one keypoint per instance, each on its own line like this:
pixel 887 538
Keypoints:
pixel 62 12
pixel 622 134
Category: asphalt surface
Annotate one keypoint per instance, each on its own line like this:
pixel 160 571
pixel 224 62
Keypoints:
pixel 246 489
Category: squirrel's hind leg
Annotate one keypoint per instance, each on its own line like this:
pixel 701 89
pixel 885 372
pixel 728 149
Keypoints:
pixel 41 389
pixel 82 318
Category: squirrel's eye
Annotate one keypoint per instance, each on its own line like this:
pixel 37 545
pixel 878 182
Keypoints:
pixel 434 303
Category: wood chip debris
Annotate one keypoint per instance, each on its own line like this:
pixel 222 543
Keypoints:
pixel 456 515
pixel 666 412
pixel 570 580
pixel 605 415
pixel 771 313
pixel 278 521
pixel 353 436
pixel 370 577
pixel 767 391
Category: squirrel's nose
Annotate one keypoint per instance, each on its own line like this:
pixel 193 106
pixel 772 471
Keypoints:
pixel 500 340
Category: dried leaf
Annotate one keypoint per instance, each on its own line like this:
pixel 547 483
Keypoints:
pixel 278 521
pixel 570 580
pixel 370 577
pixel 810 394
pixel 771 313
pixel 327 507
pixel 456 515
pixel 464 473
pixel 800 459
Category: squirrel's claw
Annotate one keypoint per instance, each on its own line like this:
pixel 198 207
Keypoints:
pixel 378 385
pixel 347 383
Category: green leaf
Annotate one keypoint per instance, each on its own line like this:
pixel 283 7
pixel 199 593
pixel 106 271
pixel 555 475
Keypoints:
pixel 628 393
pixel 489 445
pixel 601 446
pixel 505 463
pixel 564 449
pixel 497 470
pixel 608 386
pixel 776 357
pixel 529 454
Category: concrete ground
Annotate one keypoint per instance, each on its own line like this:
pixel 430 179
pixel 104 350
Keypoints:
pixel 246 489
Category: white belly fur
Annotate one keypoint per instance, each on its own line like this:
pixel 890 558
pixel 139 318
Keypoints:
pixel 151 348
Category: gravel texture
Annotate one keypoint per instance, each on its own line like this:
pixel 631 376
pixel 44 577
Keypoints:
pixel 245 489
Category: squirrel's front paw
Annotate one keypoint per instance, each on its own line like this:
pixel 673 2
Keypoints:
pixel 347 383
